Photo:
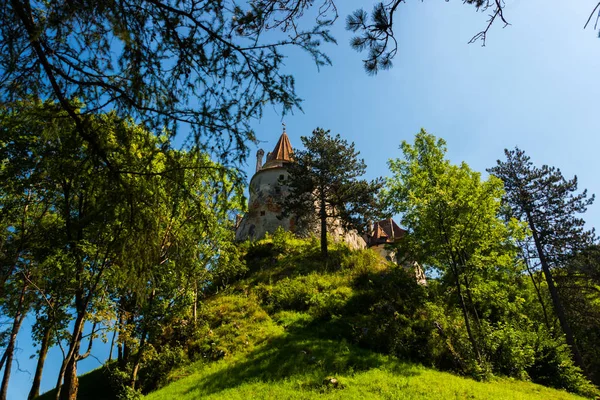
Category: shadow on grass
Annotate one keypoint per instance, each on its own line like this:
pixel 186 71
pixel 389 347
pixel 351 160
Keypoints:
pixel 302 353
pixel 93 385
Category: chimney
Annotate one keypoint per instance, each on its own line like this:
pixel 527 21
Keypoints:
pixel 259 156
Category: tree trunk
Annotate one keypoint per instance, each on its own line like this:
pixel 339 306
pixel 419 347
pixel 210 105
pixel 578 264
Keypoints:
pixel 112 345
pixel 138 360
pixel 10 349
pixel 468 289
pixel 71 382
pixel 539 295
pixel 323 216
pixel 68 371
pixel 556 302
pixel 37 379
pixel 195 310
pixel 463 306
pixel 3 359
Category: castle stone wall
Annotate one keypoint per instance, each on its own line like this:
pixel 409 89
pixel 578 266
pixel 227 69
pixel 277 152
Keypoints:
pixel 264 212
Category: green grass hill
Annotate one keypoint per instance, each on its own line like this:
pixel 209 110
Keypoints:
pixel 293 327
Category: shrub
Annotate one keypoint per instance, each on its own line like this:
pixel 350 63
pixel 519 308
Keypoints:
pixel 554 367
pixel 321 295
pixel 156 366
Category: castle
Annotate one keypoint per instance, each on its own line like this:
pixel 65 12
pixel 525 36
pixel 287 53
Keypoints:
pixel 264 211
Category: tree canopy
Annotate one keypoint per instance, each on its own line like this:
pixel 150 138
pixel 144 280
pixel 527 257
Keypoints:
pixel 208 67
pixel 324 184
pixel 83 248
pixel 454 225
pixel 205 68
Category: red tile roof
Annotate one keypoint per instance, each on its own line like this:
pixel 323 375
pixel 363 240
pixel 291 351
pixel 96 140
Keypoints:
pixel 283 149
pixel 385 231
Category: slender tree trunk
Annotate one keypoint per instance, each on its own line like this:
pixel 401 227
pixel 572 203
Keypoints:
pixel 556 302
pixel 323 216
pixel 68 371
pixel 3 359
pixel 138 360
pixel 10 349
pixel 195 311
pixel 539 295
pixel 463 306
pixel 468 289
pixel 71 381
pixel 37 378
pixel 112 344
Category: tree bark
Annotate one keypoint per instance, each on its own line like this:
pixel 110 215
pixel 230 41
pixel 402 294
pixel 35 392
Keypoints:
pixel 112 344
pixel 10 349
pixel 556 302
pixel 3 359
pixel 68 371
pixel 138 360
pixel 463 306
pixel 37 379
pixel 323 216
pixel 71 381
pixel 539 295
pixel 195 310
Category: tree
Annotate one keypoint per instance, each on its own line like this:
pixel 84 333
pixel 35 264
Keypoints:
pixel 208 67
pixel 176 242
pixel 26 218
pixel 76 237
pixel 453 222
pixel 578 283
pixel 375 31
pixel 205 66
pixel 323 182
pixel 549 204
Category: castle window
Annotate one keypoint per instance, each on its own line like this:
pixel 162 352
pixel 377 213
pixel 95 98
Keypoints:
pixel 262 213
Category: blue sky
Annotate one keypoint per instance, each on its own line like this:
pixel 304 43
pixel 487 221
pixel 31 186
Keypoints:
pixel 534 85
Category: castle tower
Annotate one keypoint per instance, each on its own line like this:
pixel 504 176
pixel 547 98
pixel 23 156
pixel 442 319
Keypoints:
pixel 264 212
pixel 259 155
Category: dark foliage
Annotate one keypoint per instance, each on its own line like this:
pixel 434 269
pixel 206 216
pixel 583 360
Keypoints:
pixel 324 182
pixel 205 67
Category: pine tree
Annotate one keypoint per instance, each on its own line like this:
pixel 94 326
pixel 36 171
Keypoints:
pixel 549 204
pixel 323 180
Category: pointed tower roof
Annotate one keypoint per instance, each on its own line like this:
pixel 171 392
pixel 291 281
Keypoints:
pixel 282 153
pixel 283 149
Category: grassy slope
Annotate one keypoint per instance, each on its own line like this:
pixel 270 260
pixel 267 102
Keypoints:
pixel 295 367
pixel 269 352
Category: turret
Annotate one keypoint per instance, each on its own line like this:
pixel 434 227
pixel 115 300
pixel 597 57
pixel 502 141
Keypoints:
pixel 259 156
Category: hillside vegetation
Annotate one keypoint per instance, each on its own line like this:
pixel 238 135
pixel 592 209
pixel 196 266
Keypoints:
pixel 294 327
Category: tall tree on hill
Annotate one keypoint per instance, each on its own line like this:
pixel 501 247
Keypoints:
pixel 549 204
pixel 324 181
pixel 454 225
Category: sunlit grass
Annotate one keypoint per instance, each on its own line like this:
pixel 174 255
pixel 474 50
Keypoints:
pixel 299 367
